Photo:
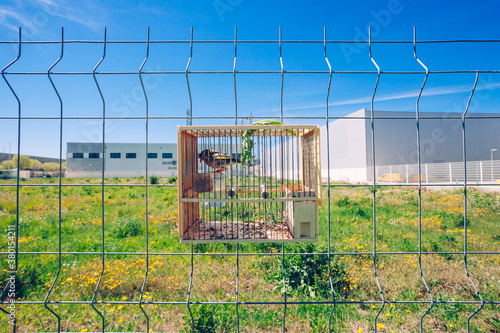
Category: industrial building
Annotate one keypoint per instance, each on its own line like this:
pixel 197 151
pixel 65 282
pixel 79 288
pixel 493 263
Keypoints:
pixel 121 159
pixel 84 159
pixel 396 154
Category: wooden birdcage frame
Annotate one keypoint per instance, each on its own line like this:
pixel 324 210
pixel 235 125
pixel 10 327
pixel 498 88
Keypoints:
pixel 282 204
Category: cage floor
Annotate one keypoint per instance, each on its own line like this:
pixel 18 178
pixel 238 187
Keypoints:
pixel 245 231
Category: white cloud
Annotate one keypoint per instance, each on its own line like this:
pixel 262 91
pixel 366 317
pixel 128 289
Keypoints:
pixel 11 19
pixel 34 15
pixel 438 91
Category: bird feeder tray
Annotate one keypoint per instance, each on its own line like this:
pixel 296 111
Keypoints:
pixel 273 197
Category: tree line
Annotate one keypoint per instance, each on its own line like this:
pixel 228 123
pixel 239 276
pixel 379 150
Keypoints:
pixel 27 163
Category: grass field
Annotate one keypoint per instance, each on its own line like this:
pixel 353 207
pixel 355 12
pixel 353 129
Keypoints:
pixel 260 279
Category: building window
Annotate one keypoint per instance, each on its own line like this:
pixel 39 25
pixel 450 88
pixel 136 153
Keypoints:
pixel 131 155
pixel 93 155
pixel 166 155
pixel 152 155
pixel 115 155
pixel 77 155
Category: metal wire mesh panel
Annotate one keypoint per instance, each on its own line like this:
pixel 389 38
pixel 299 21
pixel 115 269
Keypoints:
pixel 96 246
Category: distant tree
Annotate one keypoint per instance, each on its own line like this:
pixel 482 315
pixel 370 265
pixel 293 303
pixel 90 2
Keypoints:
pixel 5 165
pixel 25 162
pixel 50 166
pixel 36 165
pixel 64 166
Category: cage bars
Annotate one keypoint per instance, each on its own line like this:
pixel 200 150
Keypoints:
pixel 241 186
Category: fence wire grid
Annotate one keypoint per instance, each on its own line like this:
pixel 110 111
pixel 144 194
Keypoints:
pixel 143 303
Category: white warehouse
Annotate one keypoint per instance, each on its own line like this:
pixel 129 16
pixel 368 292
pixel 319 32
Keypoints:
pixel 396 154
pixel 84 159
pixel 121 159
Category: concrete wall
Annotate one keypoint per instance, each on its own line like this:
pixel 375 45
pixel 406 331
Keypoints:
pixel 396 141
pixel 347 148
pixel 12 173
pixel 440 139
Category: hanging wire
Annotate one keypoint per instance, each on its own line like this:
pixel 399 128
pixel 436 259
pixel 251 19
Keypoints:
pixel 234 76
pixel 188 303
pixel 13 271
pixel 282 78
pixel 102 182
pixel 282 244
pixel 374 181
pixel 420 182
pixel 236 122
pixel 59 185
pixel 327 121
pixel 147 196
pixel 465 205
pixel 187 80
pixel 188 300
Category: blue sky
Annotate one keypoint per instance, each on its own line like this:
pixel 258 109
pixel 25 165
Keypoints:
pixel 304 94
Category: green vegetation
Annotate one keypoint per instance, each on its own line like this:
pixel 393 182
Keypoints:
pixel 260 279
pixel 248 143
pixel 153 180
pixel 28 163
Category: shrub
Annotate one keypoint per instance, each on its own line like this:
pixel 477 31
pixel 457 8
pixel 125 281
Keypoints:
pixel 172 180
pixel 210 318
pixel 308 274
pixel 342 202
pixel 154 180
pixel 454 220
pixel 203 319
pixel 127 227
pixel 377 188
pixel 29 276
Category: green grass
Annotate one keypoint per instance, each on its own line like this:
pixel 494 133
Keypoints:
pixel 261 278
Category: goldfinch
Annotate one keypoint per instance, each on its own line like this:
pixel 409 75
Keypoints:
pixel 218 160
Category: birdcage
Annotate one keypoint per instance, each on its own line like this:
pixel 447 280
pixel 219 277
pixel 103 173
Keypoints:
pixel 248 183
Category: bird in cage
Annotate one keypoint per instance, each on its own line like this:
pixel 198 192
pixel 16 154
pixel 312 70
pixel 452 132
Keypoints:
pixel 218 160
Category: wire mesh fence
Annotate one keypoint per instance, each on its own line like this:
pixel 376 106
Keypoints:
pixel 329 289
pixel 450 173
